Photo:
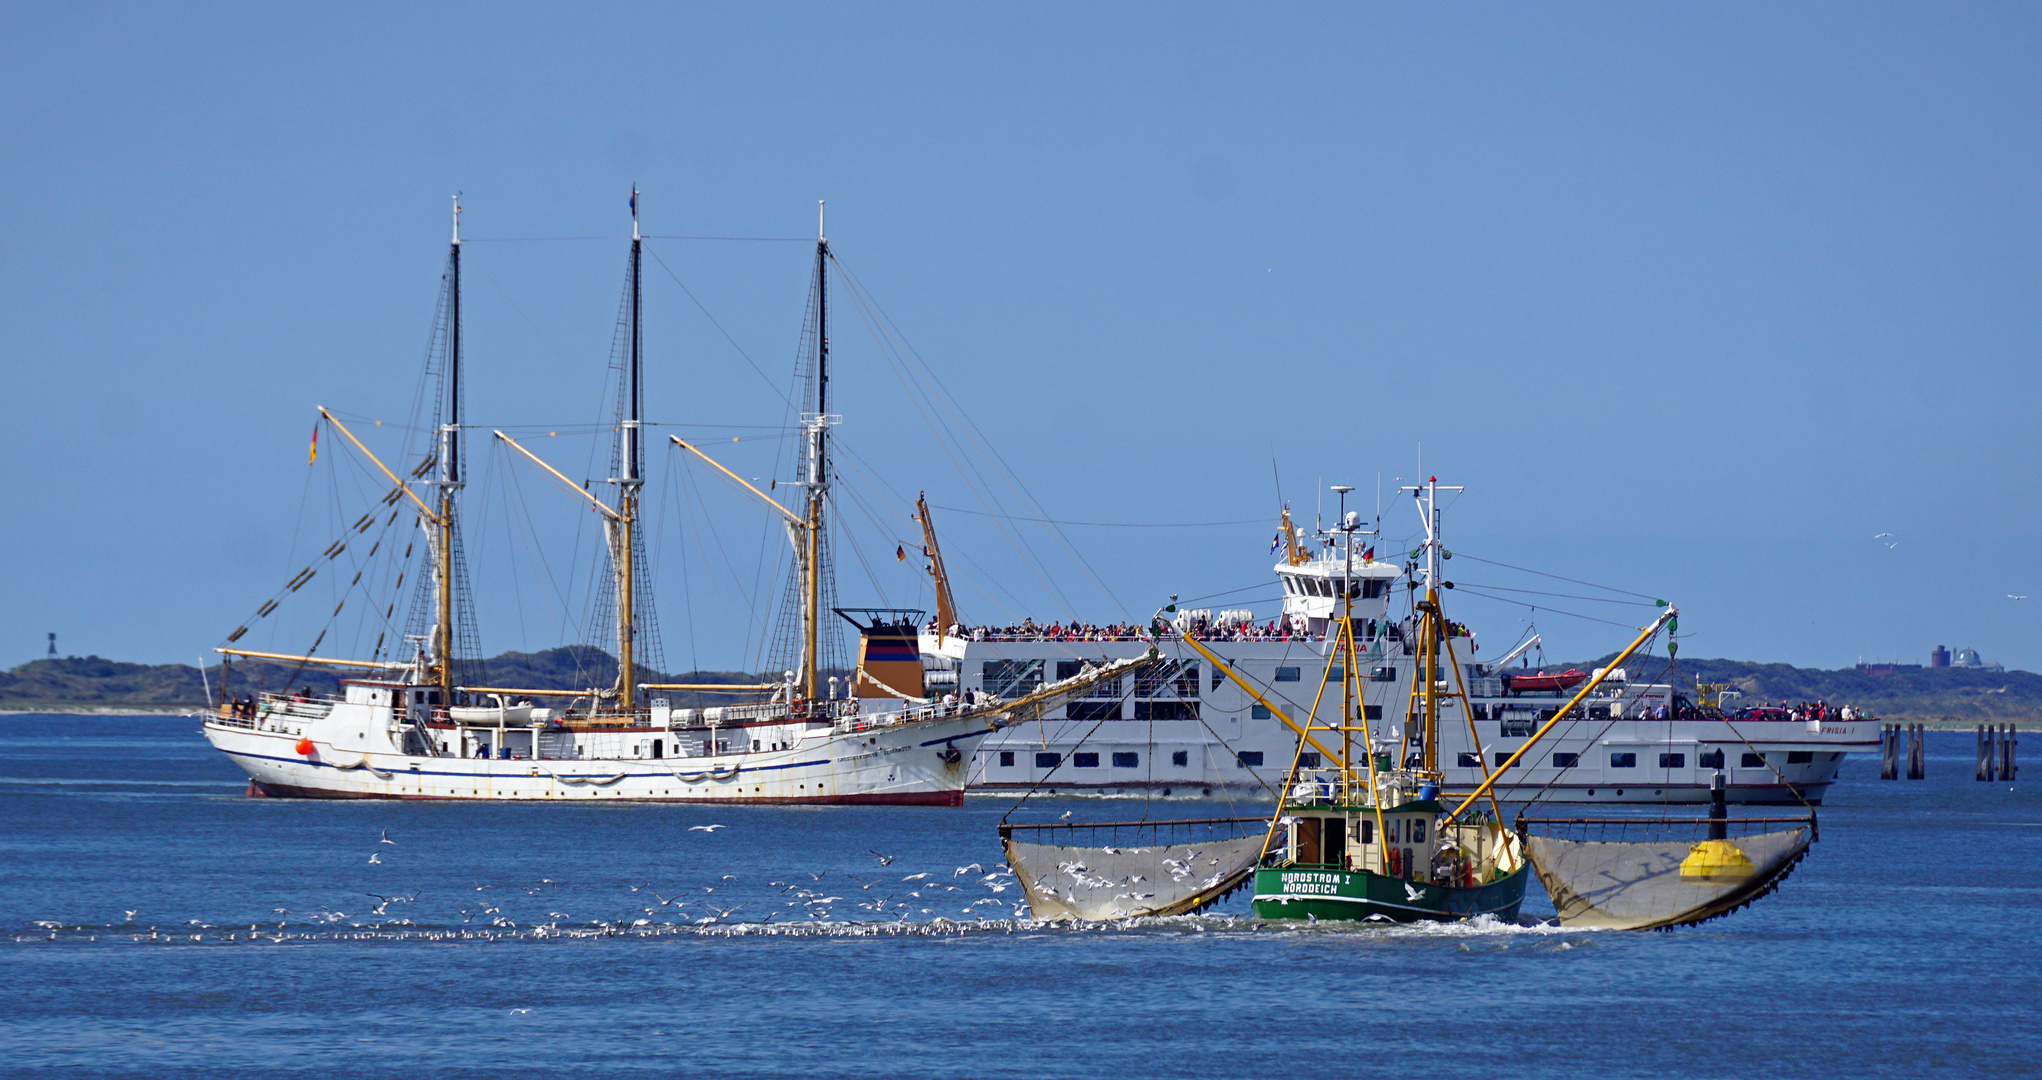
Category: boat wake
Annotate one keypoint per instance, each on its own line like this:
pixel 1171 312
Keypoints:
pixel 198 933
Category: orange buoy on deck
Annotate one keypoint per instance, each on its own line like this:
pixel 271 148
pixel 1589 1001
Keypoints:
pixel 305 746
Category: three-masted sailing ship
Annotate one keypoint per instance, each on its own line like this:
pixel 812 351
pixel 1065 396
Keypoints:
pixel 421 727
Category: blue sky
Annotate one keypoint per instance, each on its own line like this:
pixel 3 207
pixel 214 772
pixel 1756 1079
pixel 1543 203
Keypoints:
pixel 1694 300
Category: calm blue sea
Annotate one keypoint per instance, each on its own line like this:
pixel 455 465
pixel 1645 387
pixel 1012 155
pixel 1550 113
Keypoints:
pixel 154 922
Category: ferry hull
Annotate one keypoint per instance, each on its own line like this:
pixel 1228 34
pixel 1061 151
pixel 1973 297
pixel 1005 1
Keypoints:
pixel 1298 892
pixel 907 765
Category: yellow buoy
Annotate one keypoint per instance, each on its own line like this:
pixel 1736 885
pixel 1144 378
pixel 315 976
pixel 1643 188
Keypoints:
pixel 1716 860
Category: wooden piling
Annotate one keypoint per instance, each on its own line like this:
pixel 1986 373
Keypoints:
pixel 1917 757
pixel 1889 751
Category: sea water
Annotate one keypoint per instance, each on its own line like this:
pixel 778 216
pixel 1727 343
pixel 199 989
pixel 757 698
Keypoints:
pixel 156 922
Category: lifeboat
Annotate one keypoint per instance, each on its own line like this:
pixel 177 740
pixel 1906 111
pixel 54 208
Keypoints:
pixel 502 713
pixel 1543 681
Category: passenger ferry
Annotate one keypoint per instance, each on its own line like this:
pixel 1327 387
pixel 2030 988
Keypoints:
pixel 1181 729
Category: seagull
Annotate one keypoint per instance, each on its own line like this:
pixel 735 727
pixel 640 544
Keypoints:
pixel 962 870
pixel 862 883
pixel 914 877
pixel 131 915
pixel 884 860
pixel 704 828
pixel 386 837
pixel 519 1012
pixel 375 858
pixel 2022 596
pixel 1066 816
pixel 1881 536
pixel 817 877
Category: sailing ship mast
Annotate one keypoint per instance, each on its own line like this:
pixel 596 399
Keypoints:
pixel 630 477
pixel 449 478
pixel 816 426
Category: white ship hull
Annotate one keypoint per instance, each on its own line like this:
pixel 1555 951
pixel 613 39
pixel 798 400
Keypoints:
pixel 356 752
pixel 1222 746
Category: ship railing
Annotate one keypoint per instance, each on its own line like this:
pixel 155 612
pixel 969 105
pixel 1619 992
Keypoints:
pixel 231 714
pixel 298 706
pixel 1039 635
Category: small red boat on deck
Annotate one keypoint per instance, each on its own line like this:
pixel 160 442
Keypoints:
pixel 1543 681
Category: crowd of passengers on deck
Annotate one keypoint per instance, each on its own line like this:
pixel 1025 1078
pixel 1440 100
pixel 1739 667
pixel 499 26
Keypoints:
pixel 1816 711
pixel 1027 630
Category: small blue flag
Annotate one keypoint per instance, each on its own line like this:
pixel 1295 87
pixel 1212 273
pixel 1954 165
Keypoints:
pixel 634 203
pixel 1276 544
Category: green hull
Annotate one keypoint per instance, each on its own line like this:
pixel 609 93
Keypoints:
pixel 1297 892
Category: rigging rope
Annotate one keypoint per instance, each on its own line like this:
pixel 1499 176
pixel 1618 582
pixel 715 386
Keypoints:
pixel 1542 573
pixel 1106 524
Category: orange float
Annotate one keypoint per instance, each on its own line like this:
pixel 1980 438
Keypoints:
pixel 305 747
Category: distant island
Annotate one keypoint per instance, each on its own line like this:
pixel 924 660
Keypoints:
pixel 1935 695
pixel 1943 695
pixel 91 683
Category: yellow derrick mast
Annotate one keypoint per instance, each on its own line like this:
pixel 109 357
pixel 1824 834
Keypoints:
pixel 946 609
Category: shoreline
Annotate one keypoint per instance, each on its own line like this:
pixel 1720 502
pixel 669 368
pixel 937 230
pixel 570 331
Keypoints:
pixel 176 711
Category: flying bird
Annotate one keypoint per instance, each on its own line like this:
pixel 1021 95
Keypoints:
pixel 2022 596
pixel 884 860
pixel 375 858
pixel 386 837
pixel 704 828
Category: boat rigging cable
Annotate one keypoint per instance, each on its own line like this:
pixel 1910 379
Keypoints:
pixel 690 293
pixel 1109 524
pixel 901 355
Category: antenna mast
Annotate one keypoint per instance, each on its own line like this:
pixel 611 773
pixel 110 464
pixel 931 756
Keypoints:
pixel 1432 630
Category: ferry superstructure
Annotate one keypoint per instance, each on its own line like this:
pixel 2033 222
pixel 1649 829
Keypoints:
pixel 1183 729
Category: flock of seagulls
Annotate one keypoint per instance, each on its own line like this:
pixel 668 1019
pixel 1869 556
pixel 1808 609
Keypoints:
pixel 967 893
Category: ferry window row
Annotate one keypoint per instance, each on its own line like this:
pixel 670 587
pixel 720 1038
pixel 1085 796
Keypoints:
pixel 1361 588
pixel 1712 759
pixel 1122 759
